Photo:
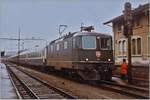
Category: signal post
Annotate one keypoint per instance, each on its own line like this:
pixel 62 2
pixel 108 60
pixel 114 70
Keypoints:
pixel 128 32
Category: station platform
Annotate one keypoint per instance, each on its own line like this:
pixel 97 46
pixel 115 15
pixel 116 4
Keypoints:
pixel 7 90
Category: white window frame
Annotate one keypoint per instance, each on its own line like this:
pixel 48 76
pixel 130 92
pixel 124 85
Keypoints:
pixel 124 49
pixel 120 47
pixel 136 37
pixel 137 46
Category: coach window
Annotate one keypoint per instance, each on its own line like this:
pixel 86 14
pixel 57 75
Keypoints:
pixel 89 42
pixel 65 45
pixel 52 48
pixel 78 42
pixel 57 47
pixel 74 42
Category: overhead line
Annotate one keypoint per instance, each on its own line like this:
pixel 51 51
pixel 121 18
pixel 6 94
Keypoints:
pixel 18 39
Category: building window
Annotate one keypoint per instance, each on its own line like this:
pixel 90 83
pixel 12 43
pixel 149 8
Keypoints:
pixel 133 47
pixel 119 47
pixel 138 46
pixel 57 47
pixel 148 17
pixel 137 22
pixel 148 45
pixel 65 45
pixel 123 47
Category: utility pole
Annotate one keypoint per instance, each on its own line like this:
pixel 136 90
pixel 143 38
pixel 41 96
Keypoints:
pixel 128 32
pixel 22 45
pixel 19 45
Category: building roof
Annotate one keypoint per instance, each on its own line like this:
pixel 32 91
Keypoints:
pixel 135 12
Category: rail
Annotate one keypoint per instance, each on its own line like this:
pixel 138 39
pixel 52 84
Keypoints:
pixel 28 90
pixel 126 89
pixel 35 95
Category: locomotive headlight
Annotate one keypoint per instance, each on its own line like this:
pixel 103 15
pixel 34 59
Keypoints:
pixel 109 59
pixel 86 59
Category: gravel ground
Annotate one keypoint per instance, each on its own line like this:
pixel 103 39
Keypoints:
pixel 81 90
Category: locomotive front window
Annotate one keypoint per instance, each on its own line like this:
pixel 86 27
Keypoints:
pixel 105 43
pixel 89 42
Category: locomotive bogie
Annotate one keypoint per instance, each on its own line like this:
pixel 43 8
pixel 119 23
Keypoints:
pixel 94 70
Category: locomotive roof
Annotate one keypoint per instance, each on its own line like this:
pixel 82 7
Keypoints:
pixel 92 33
pixel 79 34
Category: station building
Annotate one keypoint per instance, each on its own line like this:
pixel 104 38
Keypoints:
pixel 140 40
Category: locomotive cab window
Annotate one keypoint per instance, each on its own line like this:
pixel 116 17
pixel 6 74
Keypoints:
pixel 89 42
pixel 105 43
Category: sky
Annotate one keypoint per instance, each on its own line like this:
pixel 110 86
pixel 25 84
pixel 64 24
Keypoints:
pixel 41 18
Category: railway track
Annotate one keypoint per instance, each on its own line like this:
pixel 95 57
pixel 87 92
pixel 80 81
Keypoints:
pixel 129 90
pixel 140 93
pixel 30 87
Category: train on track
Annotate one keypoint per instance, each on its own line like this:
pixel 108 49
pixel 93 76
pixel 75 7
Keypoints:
pixel 86 53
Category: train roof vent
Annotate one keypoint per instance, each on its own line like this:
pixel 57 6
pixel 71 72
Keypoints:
pixel 88 28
